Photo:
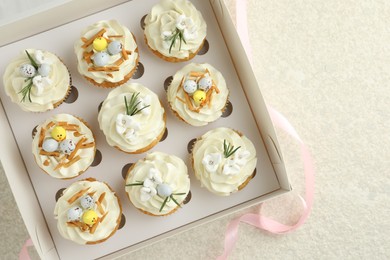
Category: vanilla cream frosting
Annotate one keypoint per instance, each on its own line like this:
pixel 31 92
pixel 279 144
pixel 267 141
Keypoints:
pixel 176 96
pixel 131 133
pixel 158 168
pixel 55 89
pixel 163 18
pixel 58 164
pixel 110 205
pixel 112 28
pixel 218 174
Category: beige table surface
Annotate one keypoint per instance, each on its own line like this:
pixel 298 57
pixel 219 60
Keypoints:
pixel 326 66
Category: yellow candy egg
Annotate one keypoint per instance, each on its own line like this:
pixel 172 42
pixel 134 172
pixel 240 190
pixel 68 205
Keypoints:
pixel 90 217
pixel 199 96
pixel 58 133
pixel 99 44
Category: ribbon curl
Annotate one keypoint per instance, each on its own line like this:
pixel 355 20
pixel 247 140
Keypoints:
pixel 280 121
pixel 23 255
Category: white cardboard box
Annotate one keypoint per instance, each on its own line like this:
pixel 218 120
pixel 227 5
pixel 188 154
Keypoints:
pixel 34 191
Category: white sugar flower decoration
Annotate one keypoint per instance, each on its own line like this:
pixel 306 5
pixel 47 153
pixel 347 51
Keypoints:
pixel 144 103
pixel 240 158
pixel 231 168
pixel 165 35
pixel 40 58
pixel 40 83
pixel 190 34
pixel 153 179
pixel 124 123
pixel 187 26
pixel 131 135
pixel 211 161
pixel 183 22
pixel 147 193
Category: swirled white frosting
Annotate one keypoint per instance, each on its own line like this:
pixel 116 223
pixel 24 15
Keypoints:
pixel 149 123
pixel 163 18
pixel 48 163
pixel 50 94
pixel 173 172
pixel 206 114
pixel 112 27
pixel 110 204
pixel 219 179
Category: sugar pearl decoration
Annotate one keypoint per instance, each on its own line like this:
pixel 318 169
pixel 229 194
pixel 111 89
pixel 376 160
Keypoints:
pixel 199 96
pixel 205 83
pixel 100 59
pixel 87 202
pixel 27 70
pixel 99 44
pixel 67 146
pixel 114 47
pixel 50 145
pixel 58 133
pixel 74 214
pixel 90 217
pixel 190 86
pixel 164 190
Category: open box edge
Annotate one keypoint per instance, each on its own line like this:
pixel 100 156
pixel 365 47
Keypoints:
pixel 16 171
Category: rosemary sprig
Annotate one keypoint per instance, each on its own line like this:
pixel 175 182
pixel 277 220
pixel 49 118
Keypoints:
pixel 138 183
pixel 164 203
pixel 131 106
pixel 33 62
pixel 228 149
pixel 175 201
pixel 172 198
pixel 26 91
pixel 178 33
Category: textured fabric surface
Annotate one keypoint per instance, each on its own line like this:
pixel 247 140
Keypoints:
pixel 325 66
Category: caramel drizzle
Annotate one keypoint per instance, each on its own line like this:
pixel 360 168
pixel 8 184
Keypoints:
pixel 82 226
pixel 41 137
pixel 119 62
pixel 55 154
pixel 101 197
pixel 77 195
pixel 78 145
pixel 87 56
pixel 124 54
pixel 90 40
pixel 110 69
pixel 181 100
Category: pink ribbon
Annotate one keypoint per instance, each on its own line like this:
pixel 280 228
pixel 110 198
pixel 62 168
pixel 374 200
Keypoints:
pixel 280 121
pixel 23 255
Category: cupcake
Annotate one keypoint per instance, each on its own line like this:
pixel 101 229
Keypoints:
pixel 37 80
pixel 107 54
pixel 88 212
pixel 224 161
pixel 132 118
pixel 198 94
pixel 63 146
pixel 175 30
pixel 158 184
